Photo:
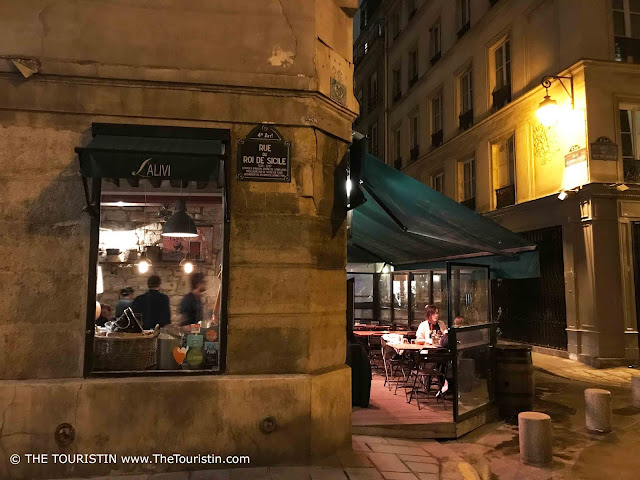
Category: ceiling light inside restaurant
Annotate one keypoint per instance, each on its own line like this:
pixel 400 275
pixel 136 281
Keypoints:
pixel 180 224
pixel 143 263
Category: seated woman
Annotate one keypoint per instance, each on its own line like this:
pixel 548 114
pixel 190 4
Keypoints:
pixel 429 326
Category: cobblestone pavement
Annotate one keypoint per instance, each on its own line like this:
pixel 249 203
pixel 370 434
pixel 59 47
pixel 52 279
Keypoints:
pixel 487 453
pixel 561 367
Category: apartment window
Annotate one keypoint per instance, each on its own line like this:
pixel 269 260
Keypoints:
pixel 466 100
pixel 366 47
pixel 397 88
pixel 413 66
pixel 437 182
pixel 373 89
pixel 394 23
pixel 626 29
pixel 364 17
pixel 373 139
pixel 413 122
pixel 397 145
pixel 468 184
pixel 464 9
pixel 435 37
pixel 629 135
pixel 436 121
pixel 502 59
pixel 503 154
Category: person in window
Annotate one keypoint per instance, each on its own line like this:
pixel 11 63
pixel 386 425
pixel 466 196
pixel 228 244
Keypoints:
pixel 191 305
pixel 153 305
pixel 126 299
pixel 106 315
pixel 430 325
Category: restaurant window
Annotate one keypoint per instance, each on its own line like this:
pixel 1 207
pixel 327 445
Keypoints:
pixel 436 121
pixel 413 66
pixel 420 295
pixel 397 146
pixel 466 100
pixel 396 84
pixel 503 155
pixel 158 241
pixel 468 182
pixel 363 296
pixel 400 299
pixel 373 90
pixel 384 289
pixel 502 74
pixel 395 24
pixel 437 182
pixel 435 42
pixel 439 296
pixel 464 17
pixel 629 136
pixel 373 139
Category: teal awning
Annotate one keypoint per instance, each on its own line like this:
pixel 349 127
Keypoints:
pixel 407 224
pixel 110 155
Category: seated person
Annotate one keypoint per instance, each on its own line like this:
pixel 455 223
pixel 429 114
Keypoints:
pixel 106 315
pixel 126 299
pixel 457 322
pixel 429 326
pixel 153 305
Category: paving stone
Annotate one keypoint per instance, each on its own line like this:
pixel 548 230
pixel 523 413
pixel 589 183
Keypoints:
pixel 399 449
pixel 418 458
pixel 402 441
pixel 351 459
pixel 369 439
pixel 210 475
pixel 387 462
pixel 327 473
pixel 360 446
pixel 428 476
pixel 289 473
pixel 363 474
pixel 423 467
pixel 331 461
pixel 399 476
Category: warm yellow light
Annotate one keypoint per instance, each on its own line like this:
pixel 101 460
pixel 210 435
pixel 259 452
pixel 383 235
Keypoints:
pixel 188 267
pixel 562 195
pixel 143 266
pixel 547 111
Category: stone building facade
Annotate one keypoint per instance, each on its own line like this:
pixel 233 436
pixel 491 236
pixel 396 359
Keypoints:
pixel 463 86
pixel 225 65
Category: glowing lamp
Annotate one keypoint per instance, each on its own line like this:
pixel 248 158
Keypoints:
pixel 547 111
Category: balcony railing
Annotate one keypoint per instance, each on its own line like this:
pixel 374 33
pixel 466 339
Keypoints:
pixel 413 80
pixel 466 119
pixel 435 58
pixel 412 13
pixel 506 196
pixel 465 28
pixel 415 151
pixel 436 138
pixel 631 169
pixel 627 49
pixel 501 97
pixel 396 96
pixel 397 163
pixel 469 203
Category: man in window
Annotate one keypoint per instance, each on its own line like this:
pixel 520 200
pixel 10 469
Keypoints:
pixel 153 305
pixel 191 305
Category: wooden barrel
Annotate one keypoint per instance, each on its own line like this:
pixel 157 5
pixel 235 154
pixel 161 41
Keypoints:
pixel 515 386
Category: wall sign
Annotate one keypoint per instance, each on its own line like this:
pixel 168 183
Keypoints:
pixel 575 157
pixel 264 156
pixel 604 149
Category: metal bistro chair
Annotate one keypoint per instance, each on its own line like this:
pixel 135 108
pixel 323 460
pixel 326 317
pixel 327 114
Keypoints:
pixel 430 370
pixel 392 362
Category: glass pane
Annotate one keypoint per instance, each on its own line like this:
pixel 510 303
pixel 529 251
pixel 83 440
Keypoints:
pixel 474 372
pixel 618 24
pixel 618 4
pixel 440 293
pixel 401 299
pixel 635 26
pixel 470 294
pixel 634 6
pixel 385 297
pixel 363 296
pixel 421 293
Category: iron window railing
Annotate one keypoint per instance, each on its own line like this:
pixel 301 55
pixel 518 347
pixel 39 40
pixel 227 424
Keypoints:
pixel 436 138
pixel 506 196
pixel 465 28
pixel 631 169
pixel 466 119
pixel 415 151
pixel 501 97
pixel 435 58
pixel 397 163
pixel 469 203
pixel 396 95
pixel 413 80
pixel 627 49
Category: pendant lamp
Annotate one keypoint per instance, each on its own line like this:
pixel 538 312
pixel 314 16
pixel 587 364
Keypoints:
pixel 180 224
pixel 143 263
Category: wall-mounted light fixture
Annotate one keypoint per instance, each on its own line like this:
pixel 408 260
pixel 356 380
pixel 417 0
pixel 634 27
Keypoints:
pixel 564 193
pixel 548 110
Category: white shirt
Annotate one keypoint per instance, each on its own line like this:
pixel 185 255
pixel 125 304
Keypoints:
pixel 424 332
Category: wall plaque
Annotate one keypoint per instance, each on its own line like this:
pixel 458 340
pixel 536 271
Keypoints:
pixel 264 156
pixel 604 149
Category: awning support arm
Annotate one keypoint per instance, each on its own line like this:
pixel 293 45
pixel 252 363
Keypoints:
pixel 386 209
pixel 90 207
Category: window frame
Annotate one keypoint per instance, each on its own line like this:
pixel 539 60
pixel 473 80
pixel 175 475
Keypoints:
pixel 435 39
pixel 467 181
pixel 505 78
pixel 397 143
pixel 373 139
pixel 373 89
pixel 414 130
pixel 394 23
pixel 468 72
pixel 434 182
pixel 436 116
pixel 464 13
pixel 413 65
pixel 627 13
pixel 396 82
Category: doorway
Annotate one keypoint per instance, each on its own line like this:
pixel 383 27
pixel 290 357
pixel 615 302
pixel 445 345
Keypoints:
pixel 635 236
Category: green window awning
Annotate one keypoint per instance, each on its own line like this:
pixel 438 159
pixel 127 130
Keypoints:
pixel 112 153
pixel 407 224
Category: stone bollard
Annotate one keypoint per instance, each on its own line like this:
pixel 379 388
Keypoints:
pixel 597 410
pixel 534 431
pixel 635 391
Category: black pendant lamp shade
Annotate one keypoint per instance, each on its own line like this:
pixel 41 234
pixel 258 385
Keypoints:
pixel 180 224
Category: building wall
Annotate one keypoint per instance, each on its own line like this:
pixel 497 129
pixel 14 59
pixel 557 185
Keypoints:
pixel 290 65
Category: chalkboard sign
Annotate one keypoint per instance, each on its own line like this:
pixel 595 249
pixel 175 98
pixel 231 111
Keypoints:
pixel 604 149
pixel 264 156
